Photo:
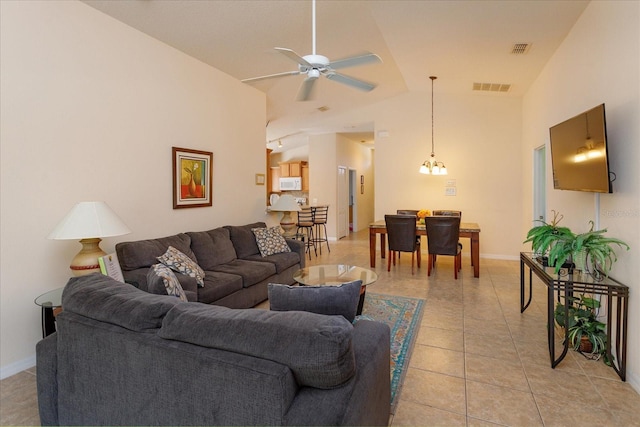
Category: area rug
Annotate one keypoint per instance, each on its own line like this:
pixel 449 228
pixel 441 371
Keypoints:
pixel 403 315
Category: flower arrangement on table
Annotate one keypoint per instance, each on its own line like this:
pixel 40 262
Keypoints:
pixel 422 213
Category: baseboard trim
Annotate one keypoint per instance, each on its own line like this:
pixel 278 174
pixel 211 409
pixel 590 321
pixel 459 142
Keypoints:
pixel 19 366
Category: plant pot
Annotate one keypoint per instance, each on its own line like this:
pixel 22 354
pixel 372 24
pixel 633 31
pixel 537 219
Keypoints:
pixel 585 345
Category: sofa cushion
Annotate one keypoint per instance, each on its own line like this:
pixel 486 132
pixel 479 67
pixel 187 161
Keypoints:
pixel 252 272
pixel 218 285
pixel 102 298
pixel 213 247
pixel 317 349
pixel 270 241
pixel 177 261
pixel 243 239
pixel 161 276
pixel 282 261
pixel 333 300
pixel 145 253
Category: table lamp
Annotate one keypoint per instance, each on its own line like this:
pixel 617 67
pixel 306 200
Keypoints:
pixel 88 221
pixel 286 204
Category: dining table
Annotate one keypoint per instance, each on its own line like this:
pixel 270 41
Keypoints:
pixel 469 230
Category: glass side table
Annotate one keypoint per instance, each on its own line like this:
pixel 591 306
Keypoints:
pixel 51 303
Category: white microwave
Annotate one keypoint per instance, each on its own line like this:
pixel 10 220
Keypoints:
pixel 290 184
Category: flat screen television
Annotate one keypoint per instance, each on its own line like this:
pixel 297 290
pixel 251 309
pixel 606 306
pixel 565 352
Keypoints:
pixel 579 153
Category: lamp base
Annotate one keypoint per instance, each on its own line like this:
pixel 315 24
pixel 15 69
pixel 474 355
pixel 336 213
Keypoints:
pixel 86 261
pixel 288 225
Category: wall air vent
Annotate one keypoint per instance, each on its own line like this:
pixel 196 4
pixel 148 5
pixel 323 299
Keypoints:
pixel 520 48
pixel 492 87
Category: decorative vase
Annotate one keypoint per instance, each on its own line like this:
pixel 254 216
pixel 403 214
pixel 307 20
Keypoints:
pixel 580 260
pixel 192 187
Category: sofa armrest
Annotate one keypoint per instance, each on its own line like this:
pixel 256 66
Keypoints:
pixel 47 379
pixel 363 401
pixel 297 246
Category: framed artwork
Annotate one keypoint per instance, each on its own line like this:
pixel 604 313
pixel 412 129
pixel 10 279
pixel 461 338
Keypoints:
pixel 259 179
pixel 361 179
pixel 192 178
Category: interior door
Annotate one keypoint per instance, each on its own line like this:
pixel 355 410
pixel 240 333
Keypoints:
pixel 539 184
pixel 343 202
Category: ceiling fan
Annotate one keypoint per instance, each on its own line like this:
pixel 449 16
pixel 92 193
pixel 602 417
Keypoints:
pixel 316 65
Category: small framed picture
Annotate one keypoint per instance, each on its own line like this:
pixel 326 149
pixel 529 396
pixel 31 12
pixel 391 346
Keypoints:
pixel 362 189
pixel 192 178
pixel 361 179
pixel 259 179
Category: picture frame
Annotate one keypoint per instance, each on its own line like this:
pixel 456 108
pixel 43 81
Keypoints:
pixel 260 178
pixel 361 179
pixel 192 178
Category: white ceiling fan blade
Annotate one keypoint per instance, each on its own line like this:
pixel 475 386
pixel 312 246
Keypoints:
pixel 293 56
pixel 270 76
pixel 350 81
pixel 368 58
pixel 304 93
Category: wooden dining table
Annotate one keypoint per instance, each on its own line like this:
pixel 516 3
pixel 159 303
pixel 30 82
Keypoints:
pixel 469 230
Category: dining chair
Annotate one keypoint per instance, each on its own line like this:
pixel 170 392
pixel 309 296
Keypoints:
pixel 320 215
pixel 443 233
pixel 305 223
pixel 407 212
pixel 401 237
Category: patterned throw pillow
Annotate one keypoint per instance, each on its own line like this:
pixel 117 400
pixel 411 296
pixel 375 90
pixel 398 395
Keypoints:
pixel 171 283
pixel 270 241
pixel 177 261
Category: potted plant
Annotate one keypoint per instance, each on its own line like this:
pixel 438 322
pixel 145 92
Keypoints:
pixel 586 333
pixel 592 249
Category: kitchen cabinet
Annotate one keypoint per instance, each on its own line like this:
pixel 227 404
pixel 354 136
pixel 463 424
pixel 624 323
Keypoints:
pixel 275 179
pixel 291 169
pixel 305 178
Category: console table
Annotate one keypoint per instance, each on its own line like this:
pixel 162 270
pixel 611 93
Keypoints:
pixel 563 285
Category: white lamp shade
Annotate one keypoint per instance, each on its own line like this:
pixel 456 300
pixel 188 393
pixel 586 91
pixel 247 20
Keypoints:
pixel 89 220
pixel 286 203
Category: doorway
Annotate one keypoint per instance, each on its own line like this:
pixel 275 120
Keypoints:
pixel 343 202
pixel 540 184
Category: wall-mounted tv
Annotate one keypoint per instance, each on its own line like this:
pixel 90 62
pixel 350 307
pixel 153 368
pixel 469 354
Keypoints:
pixel 579 153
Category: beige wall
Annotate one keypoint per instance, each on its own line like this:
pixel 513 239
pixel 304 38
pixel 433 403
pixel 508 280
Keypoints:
pixel 595 65
pixel 90 110
pixel 359 158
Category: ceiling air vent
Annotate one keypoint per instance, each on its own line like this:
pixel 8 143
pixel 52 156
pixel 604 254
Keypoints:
pixel 520 48
pixel 492 87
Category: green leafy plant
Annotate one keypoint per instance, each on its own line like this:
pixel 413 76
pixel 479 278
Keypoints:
pixel 581 321
pixel 561 245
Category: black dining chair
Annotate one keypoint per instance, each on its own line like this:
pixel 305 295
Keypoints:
pixel 401 237
pixel 443 233
pixel 407 212
pixel 447 213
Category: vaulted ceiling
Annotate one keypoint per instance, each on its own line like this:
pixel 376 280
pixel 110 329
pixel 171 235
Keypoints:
pixel 462 42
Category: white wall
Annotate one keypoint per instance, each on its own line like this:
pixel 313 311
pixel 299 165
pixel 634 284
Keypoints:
pixel 596 64
pixel 90 110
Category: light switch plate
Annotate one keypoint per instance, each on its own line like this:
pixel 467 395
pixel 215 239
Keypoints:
pixel 450 191
pixel 451 183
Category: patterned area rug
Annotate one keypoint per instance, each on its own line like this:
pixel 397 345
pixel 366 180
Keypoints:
pixel 403 315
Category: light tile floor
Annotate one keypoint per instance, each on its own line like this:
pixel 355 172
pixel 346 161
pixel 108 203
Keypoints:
pixel 477 360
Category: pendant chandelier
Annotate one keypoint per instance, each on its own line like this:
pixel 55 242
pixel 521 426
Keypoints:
pixel 432 166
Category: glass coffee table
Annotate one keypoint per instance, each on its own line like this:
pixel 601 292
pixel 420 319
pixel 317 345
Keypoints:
pixel 334 275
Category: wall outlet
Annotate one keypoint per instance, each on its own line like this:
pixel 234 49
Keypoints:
pixel 450 191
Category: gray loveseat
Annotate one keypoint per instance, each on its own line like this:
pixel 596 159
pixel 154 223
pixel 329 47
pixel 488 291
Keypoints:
pixel 236 274
pixel 122 356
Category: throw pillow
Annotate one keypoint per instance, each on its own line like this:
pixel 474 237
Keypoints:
pixel 270 241
pixel 177 261
pixel 159 273
pixel 331 300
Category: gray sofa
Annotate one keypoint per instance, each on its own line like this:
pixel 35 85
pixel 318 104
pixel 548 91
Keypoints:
pixel 236 274
pixel 122 356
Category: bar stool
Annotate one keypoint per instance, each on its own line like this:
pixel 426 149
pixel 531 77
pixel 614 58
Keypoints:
pixel 320 214
pixel 305 223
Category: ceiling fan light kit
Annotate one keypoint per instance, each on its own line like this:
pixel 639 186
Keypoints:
pixel 314 66
pixel 432 166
